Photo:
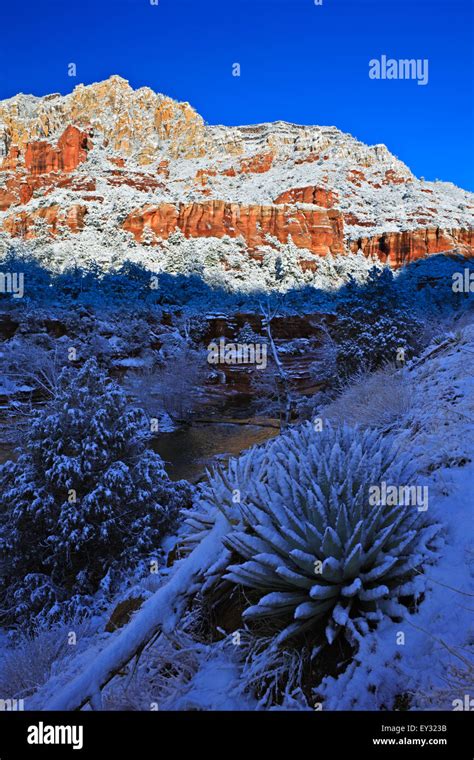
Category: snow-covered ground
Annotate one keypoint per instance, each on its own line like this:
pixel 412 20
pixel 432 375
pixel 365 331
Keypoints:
pixel 423 661
pixel 434 664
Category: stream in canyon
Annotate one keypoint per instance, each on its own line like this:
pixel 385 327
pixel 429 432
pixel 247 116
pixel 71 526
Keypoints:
pixel 188 451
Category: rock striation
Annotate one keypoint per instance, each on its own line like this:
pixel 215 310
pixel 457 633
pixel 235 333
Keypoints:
pixel 109 172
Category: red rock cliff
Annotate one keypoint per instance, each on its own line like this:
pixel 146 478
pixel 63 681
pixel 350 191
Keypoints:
pixel 319 196
pixel 53 217
pixel 71 150
pixel 398 248
pixel 318 230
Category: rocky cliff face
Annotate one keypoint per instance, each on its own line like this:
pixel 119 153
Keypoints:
pixel 50 219
pixel 396 248
pixel 131 122
pixel 314 229
pixel 110 173
pixel 71 150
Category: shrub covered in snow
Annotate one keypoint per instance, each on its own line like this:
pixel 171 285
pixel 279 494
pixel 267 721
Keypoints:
pixel 34 656
pixel 85 499
pixel 366 340
pixel 372 327
pixel 373 399
pixel 308 541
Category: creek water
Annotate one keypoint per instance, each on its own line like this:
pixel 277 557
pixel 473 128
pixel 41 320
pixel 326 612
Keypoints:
pixel 188 451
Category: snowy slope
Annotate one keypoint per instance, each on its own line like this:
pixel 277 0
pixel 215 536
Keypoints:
pixel 435 664
pixel 423 661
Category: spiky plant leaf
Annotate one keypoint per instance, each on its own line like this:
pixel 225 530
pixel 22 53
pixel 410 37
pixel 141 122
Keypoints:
pixel 307 538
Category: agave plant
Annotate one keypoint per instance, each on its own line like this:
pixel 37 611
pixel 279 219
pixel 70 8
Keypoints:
pixel 307 539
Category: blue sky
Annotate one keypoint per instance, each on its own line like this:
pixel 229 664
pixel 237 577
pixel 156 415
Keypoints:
pixel 300 62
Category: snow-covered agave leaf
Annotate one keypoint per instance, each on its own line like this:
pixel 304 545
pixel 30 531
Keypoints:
pixel 399 543
pixel 332 630
pixel 253 516
pixel 293 629
pixel 315 511
pixel 332 570
pixel 314 539
pixel 292 520
pixel 390 515
pixel 304 560
pixel 320 500
pixel 353 562
pixel 244 544
pixel 356 537
pixel 352 589
pixel 297 579
pixel 323 591
pixel 280 599
pixel 415 587
pixel 274 539
pixel 296 539
pixel 340 614
pixel 401 568
pixel 268 560
pixel 313 610
pixel 378 571
pixel 372 521
pixel 332 545
pixel 382 540
pixel 252 573
pixel 369 595
pixel 273 604
pixel 342 525
pixel 388 607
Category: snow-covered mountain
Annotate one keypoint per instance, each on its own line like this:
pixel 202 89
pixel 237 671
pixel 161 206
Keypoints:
pixel 108 173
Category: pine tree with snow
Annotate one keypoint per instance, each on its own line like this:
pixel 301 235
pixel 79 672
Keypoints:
pixel 85 499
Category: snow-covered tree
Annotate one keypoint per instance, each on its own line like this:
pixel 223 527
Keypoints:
pixel 174 387
pixel 373 327
pixel 85 499
pixel 247 335
pixel 275 387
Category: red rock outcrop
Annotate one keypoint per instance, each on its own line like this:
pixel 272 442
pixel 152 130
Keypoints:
pixel 144 182
pixel 311 158
pixel 318 196
pixel 10 194
pixel 258 164
pixel 352 219
pixel 202 176
pixel 320 231
pixel 19 188
pixel 398 248
pixel 393 178
pixel 71 150
pixel 11 160
pixel 164 168
pixel 23 224
pixel 43 167
pixel 356 177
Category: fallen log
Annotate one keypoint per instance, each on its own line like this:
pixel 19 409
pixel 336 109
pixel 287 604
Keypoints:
pixel 160 613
